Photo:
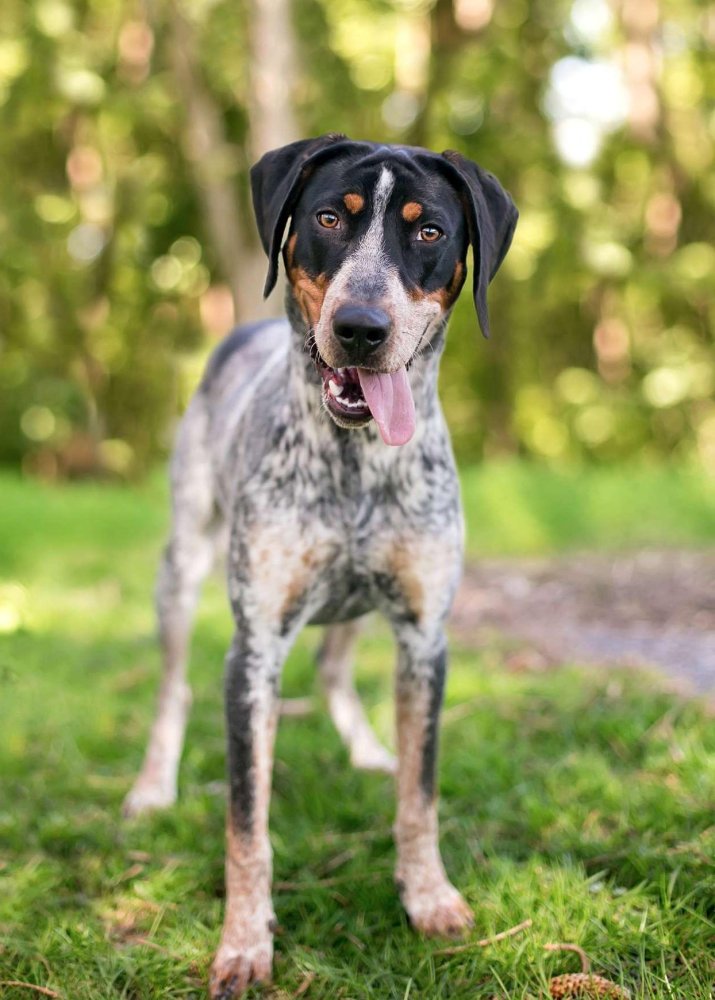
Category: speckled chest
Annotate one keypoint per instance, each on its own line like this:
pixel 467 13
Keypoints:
pixel 344 502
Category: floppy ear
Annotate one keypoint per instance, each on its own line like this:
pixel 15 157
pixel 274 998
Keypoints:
pixel 276 181
pixel 491 216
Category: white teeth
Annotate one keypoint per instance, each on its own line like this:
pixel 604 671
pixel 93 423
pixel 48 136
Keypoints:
pixel 335 387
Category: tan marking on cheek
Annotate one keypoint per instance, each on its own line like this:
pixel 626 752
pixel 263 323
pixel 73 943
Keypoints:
pixel 439 295
pixel 411 211
pixel 309 293
pixel 457 278
pixel 290 251
pixel 444 297
pixel 354 203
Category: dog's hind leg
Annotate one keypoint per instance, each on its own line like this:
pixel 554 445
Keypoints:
pixel 335 661
pixel 186 561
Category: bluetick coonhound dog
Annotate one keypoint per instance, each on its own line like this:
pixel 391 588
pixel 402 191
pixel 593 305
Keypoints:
pixel 316 445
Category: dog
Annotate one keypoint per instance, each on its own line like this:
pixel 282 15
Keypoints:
pixel 316 453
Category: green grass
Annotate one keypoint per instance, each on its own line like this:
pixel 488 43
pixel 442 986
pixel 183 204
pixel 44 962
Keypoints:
pixel 582 800
pixel 518 507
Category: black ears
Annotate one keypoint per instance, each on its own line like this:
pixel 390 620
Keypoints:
pixel 491 216
pixel 276 181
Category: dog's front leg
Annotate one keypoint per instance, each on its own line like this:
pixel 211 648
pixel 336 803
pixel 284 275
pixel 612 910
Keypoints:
pixel 271 572
pixel 418 579
pixel 433 904
pixel 245 954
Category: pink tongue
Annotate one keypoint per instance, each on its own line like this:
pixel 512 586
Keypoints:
pixel 391 404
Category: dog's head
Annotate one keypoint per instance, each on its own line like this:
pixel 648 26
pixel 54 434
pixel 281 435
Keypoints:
pixel 376 257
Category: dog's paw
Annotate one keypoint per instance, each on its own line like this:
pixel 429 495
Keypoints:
pixel 233 971
pixel 146 797
pixel 438 912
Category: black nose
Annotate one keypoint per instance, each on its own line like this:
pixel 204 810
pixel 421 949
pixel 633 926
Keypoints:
pixel 360 329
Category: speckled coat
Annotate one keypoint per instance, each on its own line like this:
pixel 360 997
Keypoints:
pixel 323 521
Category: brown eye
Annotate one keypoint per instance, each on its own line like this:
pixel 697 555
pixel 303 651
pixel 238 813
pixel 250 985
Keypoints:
pixel 328 220
pixel 430 234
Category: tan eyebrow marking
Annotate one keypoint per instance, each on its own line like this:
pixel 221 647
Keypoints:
pixel 411 211
pixel 354 203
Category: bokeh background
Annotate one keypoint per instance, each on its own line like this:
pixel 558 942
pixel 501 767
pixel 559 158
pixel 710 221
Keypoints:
pixel 129 249
pixel 576 797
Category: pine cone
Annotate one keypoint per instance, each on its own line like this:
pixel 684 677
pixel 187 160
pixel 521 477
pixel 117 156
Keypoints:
pixel 587 986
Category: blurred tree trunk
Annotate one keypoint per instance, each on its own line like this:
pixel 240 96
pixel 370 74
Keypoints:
pixel 208 155
pixel 452 25
pixel 272 123
pixel 446 38
pixel 272 71
pixel 272 75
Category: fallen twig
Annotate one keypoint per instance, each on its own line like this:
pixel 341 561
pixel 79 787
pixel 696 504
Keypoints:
pixel 484 942
pixel 305 985
pixel 585 963
pixel 29 986
pixel 321 883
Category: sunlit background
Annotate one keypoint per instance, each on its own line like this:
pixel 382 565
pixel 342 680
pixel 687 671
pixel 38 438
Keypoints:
pixel 577 800
pixel 128 245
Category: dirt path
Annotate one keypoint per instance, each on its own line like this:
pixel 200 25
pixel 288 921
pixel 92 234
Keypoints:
pixel 652 607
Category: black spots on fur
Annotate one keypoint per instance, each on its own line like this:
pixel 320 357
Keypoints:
pixel 399 613
pixel 279 438
pixel 431 736
pixel 291 616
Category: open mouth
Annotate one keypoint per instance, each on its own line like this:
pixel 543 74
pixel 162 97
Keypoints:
pixel 343 394
pixel 355 396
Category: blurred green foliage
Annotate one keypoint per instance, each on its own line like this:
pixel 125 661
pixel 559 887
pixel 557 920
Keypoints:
pixel 603 312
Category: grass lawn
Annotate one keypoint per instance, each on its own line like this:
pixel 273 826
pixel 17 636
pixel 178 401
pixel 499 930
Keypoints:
pixel 579 799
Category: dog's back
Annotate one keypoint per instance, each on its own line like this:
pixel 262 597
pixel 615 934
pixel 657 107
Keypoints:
pixel 240 374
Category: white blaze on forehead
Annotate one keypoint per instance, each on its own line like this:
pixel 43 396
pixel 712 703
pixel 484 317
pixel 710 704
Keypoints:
pixel 362 265
pixel 371 246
